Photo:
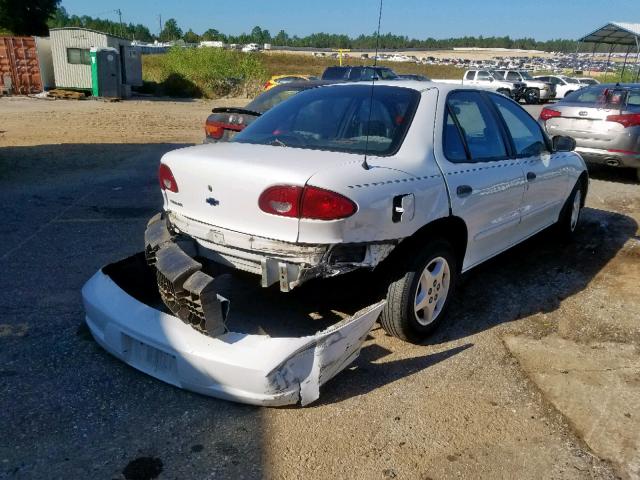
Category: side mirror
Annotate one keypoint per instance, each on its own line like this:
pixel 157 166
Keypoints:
pixel 563 144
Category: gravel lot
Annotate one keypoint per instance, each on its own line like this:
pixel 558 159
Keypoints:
pixel 77 181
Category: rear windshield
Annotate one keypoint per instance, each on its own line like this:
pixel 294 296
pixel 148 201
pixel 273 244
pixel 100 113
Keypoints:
pixel 271 98
pixel 353 119
pixel 606 97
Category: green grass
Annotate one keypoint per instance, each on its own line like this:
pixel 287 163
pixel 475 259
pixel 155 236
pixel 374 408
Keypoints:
pixel 213 73
pixel 202 72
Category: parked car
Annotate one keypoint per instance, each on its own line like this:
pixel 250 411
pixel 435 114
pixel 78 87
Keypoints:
pixel 414 76
pixel 536 91
pixel 486 79
pixel 587 81
pixel 422 182
pixel 604 120
pixel 356 74
pixel 225 122
pixel 564 85
pixel 280 79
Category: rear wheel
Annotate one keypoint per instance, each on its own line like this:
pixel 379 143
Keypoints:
pixel 570 216
pixel 419 295
pixel 638 174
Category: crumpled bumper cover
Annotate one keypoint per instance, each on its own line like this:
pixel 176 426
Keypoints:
pixel 254 369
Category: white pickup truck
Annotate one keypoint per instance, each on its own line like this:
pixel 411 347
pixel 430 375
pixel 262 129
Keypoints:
pixel 537 91
pixel 417 181
pixel 486 79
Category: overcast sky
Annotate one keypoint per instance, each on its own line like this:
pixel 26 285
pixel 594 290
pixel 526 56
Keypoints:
pixel 540 19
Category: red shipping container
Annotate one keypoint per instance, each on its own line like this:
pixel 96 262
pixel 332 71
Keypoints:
pixel 19 62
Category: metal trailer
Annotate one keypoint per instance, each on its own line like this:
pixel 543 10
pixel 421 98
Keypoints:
pixel 72 59
pixel 25 65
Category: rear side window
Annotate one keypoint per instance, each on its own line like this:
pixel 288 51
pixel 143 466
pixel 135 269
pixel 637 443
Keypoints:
pixel 525 132
pixel 470 75
pixel 483 75
pixel 478 126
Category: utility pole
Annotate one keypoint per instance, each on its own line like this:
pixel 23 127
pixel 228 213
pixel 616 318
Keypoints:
pixel 119 12
pixel 160 25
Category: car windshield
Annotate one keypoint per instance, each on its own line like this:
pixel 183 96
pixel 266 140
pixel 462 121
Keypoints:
pixel 271 98
pixel 352 119
pixel 570 80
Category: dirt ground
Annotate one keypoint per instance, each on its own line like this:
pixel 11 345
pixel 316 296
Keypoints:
pixel 496 393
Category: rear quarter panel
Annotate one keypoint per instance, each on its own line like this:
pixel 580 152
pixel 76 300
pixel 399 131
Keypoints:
pixel 413 171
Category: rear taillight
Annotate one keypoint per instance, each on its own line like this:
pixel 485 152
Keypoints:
pixel 626 120
pixel 322 204
pixel 166 179
pixel 268 85
pixel 305 202
pixel 216 124
pixel 214 129
pixel 548 113
pixel 283 200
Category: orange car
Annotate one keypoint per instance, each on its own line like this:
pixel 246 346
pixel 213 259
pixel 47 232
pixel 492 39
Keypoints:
pixel 281 79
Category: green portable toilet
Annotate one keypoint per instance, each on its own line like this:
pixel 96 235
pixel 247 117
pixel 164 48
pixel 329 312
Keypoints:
pixel 106 78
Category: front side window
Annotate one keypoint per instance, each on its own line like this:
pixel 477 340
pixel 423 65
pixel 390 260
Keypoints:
pixel 513 76
pixel 478 126
pixel 341 119
pixel 525 132
pixel 78 56
pixel 484 75
pixel 470 75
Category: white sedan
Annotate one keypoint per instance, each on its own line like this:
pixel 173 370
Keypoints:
pixel 417 181
pixel 421 180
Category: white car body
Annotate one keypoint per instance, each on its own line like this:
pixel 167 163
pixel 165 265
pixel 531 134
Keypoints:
pixel 503 209
pixel 564 85
pixel 402 200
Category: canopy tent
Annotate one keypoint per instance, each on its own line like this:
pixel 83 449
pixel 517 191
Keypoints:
pixel 616 34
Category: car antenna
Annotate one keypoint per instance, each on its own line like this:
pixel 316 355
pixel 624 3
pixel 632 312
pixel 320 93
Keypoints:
pixel 365 165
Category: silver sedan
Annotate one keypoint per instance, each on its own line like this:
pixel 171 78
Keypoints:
pixel 603 119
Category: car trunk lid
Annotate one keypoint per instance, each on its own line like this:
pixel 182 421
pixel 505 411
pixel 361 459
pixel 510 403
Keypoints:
pixel 588 125
pixel 219 185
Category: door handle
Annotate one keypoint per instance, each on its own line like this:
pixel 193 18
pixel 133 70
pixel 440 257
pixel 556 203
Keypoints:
pixel 531 176
pixel 464 191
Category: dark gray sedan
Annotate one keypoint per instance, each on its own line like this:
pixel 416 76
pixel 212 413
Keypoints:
pixel 603 119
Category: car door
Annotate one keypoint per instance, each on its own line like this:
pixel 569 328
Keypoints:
pixel 547 181
pixel 485 185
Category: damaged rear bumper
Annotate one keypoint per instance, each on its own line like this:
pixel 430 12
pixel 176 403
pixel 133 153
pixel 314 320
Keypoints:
pixel 254 369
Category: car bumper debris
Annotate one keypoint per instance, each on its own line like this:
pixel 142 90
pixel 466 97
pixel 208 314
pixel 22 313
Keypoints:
pixel 187 344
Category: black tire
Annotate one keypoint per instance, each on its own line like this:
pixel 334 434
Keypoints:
pixel 567 225
pixel 532 96
pixel 638 174
pixel 505 92
pixel 399 317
